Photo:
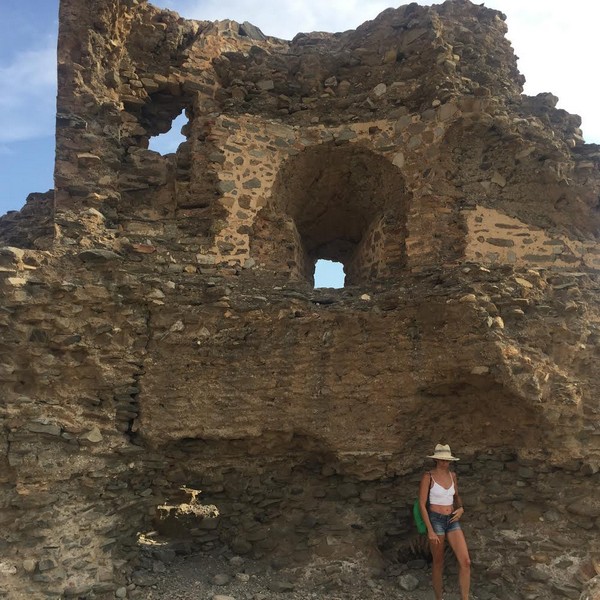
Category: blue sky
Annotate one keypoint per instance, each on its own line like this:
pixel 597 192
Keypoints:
pixel 27 102
pixel 555 42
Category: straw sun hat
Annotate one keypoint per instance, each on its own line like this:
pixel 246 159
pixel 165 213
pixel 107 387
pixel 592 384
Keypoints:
pixel 442 452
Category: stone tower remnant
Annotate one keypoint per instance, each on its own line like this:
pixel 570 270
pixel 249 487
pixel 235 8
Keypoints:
pixel 160 328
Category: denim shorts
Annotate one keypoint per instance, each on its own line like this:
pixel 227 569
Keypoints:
pixel 441 523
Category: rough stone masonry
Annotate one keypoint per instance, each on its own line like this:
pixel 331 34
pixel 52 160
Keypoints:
pixel 160 330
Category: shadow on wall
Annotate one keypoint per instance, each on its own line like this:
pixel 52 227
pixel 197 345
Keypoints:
pixel 342 203
pixel 290 495
pixel 281 494
pixel 476 412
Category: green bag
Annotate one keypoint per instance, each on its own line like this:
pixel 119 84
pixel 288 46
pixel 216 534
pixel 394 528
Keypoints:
pixel 418 517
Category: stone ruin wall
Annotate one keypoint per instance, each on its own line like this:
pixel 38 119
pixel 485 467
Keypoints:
pixel 160 330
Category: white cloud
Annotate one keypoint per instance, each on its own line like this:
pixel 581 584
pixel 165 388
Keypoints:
pixel 557 48
pixel 28 99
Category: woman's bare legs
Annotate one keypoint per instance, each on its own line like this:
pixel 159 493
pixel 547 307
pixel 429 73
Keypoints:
pixel 457 542
pixel 437 568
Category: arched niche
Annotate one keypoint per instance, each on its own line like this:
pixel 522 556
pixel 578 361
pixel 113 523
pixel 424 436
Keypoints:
pixel 343 203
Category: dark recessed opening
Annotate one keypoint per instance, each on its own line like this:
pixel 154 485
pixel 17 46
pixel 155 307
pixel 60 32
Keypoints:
pixel 344 204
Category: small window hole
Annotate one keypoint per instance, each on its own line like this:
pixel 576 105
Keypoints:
pixel 329 274
pixel 167 143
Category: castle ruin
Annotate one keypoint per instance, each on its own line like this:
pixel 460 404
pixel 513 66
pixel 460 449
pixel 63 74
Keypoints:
pixel 161 329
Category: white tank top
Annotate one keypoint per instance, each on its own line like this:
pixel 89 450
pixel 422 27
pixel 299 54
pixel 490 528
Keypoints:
pixel 440 495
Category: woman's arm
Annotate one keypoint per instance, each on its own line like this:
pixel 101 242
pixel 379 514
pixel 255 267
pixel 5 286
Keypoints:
pixel 423 496
pixel 458 504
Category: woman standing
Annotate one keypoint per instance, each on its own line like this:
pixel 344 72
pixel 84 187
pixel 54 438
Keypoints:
pixel 441 515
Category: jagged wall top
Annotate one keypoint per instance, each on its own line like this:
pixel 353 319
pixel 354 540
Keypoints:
pixel 443 79
pixel 425 53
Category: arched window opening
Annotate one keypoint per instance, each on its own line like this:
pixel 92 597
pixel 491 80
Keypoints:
pixel 329 274
pixel 167 143
pixel 344 204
